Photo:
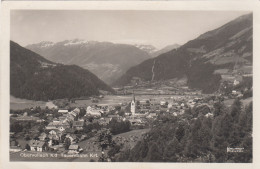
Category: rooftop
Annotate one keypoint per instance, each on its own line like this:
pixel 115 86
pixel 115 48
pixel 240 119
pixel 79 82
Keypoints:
pixel 36 143
pixel 73 147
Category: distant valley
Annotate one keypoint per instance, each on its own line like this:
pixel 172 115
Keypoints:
pixel 107 60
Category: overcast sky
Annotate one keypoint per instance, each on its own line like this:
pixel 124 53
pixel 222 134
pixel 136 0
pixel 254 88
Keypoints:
pixel 159 28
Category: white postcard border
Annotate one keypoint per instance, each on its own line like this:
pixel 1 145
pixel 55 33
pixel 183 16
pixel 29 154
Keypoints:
pixel 247 5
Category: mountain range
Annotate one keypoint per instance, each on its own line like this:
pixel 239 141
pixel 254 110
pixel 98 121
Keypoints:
pixel 36 78
pixel 105 59
pixel 203 61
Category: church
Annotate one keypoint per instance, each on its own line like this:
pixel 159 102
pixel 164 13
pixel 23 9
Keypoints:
pixel 133 105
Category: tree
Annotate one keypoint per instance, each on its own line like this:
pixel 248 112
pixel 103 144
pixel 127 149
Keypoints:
pixel 153 153
pixel 27 147
pixel 82 113
pixel 219 108
pixel 236 110
pixel 67 143
pixel 27 137
pixel 180 132
pixel 114 150
pixel 16 127
pixel 121 113
pixel 119 127
pixel 105 139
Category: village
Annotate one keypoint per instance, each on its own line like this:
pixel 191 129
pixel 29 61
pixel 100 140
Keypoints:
pixel 98 128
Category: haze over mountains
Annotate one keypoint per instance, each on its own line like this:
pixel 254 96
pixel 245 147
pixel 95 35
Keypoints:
pixel 36 78
pixel 203 61
pixel 107 60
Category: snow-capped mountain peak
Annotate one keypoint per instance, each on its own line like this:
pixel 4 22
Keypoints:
pixel 45 44
pixel 78 42
pixel 147 48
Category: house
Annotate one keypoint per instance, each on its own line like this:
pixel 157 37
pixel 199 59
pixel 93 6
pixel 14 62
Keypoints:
pixel 73 149
pixel 57 125
pixel 69 130
pixel 78 125
pixel 36 145
pixel 104 121
pixel 88 122
pixel 15 149
pixel 94 111
pixel 174 114
pixel 209 115
pixel 42 136
pixel 113 116
pixel 236 82
pixel 54 136
pixel 63 111
pixel 162 103
pixel 63 118
pixel 152 115
pixel 76 110
pixel 169 105
pixel 83 137
pixel 70 117
pixel 73 138
pixel 40 120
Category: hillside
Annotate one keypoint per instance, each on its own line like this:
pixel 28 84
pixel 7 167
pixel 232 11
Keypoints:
pixel 193 137
pixel 36 78
pixel 225 51
pixel 106 60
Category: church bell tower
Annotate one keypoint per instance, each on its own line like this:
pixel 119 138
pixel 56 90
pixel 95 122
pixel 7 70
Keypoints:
pixel 133 105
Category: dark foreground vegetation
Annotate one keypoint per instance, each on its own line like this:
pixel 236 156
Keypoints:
pixel 193 137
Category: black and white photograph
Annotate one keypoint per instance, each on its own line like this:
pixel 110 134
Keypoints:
pixel 140 86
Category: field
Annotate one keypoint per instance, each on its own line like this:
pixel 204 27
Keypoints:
pixel 116 100
pixel 245 102
pixel 19 104
pixel 110 100
pixel 16 103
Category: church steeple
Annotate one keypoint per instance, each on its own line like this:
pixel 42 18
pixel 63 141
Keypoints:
pixel 133 96
pixel 133 105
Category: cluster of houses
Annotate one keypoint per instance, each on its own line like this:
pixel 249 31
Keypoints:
pixel 62 129
pixel 55 134
pixel 149 109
